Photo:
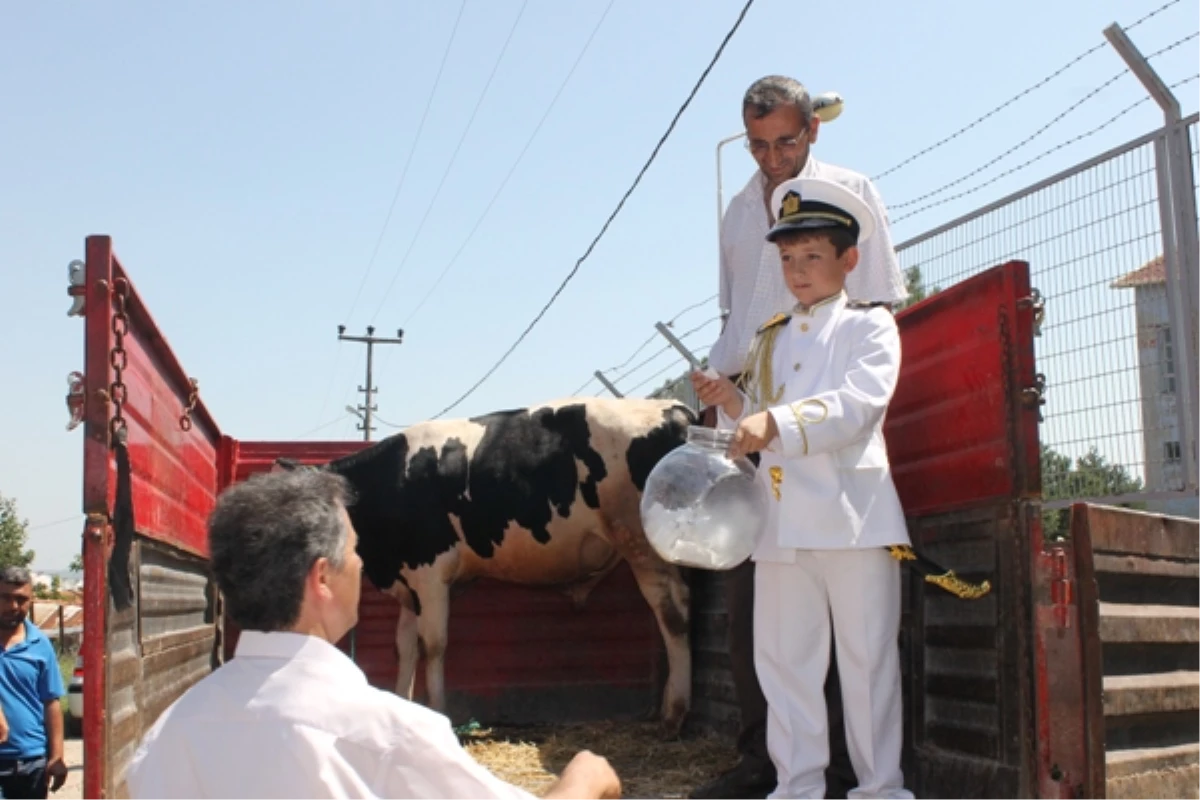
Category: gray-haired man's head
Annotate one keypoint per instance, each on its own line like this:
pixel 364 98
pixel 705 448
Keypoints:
pixel 265 535
pixel 769 93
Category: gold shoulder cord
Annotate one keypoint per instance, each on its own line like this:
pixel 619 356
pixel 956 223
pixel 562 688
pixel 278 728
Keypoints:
pixel 758 378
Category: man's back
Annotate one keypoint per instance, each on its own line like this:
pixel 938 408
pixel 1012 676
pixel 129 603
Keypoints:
pixel 291 716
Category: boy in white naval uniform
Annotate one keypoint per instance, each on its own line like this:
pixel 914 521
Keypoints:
pixel 818 383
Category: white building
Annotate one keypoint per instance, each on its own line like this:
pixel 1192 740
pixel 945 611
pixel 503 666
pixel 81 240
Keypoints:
pixel 1158 383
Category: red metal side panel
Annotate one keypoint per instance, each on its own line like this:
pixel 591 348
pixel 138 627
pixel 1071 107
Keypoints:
pixel 949 432
pixel 151 651
pixel 516 654
pixel 963 449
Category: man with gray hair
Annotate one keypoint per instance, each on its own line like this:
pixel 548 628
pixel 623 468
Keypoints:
pixel 290 715
pixel 31 753
pixel 781 128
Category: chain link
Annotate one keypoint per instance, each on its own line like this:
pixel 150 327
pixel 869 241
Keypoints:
pixel 119 360
pixel 185 421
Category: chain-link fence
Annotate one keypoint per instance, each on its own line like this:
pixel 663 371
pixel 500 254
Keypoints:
pixel 1093 236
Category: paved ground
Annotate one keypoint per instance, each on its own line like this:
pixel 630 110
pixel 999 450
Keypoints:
pixel 73 788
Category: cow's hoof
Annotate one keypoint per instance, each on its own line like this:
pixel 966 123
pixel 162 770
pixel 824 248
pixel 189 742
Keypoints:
pixel 670 730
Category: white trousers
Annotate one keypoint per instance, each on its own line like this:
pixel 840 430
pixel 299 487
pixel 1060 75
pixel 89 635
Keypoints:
pixel 793 606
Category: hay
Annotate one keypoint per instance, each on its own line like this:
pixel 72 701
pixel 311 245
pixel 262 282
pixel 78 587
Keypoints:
pixel 533 757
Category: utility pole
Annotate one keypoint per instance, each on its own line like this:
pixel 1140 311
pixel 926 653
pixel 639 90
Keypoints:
pixel 370 340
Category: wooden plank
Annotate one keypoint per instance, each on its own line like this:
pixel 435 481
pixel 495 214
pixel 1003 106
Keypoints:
pixel 1122 530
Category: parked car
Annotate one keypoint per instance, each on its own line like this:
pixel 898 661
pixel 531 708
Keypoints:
pixel 74 718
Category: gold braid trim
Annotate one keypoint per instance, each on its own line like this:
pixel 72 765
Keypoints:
pixel 958 587
pixel 758 378
pixel 902 552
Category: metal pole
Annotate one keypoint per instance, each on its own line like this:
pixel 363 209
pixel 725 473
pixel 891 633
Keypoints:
pixel 607 384
pixel 1177 208
pixel 370 340
pixel 683 351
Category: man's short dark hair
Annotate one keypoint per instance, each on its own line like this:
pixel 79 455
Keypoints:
pixel 841 238
pixel 264 536
pixel 18 576
pixel 769 93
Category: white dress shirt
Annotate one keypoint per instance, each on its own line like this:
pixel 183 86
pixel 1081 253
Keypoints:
pixel 828 479
pixel 292 716
pixel 752 285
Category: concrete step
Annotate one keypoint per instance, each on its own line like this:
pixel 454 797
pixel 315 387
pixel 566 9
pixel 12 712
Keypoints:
pixel 1129 695
pixel 1149 624
pixel 1154 772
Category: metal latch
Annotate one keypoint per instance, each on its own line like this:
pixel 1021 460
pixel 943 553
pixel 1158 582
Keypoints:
pixel 1035 396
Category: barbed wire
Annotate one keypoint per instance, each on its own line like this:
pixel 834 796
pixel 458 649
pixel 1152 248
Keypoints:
pixel 1019 95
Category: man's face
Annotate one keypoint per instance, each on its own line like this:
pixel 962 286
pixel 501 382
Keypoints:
pixel 14 604
pixel 780 142
pixel 345 584
pixel 812 268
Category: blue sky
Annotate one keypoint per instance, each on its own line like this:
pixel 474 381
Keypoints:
pixel 244 157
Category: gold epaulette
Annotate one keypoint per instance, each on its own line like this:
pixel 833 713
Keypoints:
pixel 778 319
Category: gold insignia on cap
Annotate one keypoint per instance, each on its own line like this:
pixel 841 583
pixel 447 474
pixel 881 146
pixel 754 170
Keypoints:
pixel 791 204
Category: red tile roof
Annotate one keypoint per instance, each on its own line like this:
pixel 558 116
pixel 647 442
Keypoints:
pixel 1154 271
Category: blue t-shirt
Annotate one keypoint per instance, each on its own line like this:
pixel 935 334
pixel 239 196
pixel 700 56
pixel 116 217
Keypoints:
pixel 29 678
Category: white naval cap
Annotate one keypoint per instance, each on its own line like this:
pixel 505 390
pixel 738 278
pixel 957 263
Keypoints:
pixel 814 203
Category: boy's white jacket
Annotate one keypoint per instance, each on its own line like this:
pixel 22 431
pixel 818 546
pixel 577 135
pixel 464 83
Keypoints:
pixel 837 366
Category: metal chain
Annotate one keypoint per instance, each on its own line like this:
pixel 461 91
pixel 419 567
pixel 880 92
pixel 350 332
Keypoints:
pixel 185 421
pixel 118 359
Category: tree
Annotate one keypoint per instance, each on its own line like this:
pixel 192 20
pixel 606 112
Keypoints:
pixel 76 564
pixel 915 283
pixel 13 533
pixel 1089 476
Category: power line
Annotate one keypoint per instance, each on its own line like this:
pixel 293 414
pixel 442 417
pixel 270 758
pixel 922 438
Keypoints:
pixel 1040 156
pixel 454 157
pixel 63 521
pixel 520 156
pixel 637 180
pixel 654 336
pixel 1018 96
pixel 666 348
pixel 586 384
pixel 323 426
pixel 395 196
pixel 673 365
pixel 437 81
pixel 1016 146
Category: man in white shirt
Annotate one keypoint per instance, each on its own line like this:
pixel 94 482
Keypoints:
pixel 780 130
pixel 291 715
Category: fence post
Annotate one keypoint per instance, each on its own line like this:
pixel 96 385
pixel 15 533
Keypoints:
pixel 62 631
pixel 1181 263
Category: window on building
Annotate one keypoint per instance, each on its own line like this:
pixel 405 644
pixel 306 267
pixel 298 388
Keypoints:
pixel 1166 361
pixel 1171 452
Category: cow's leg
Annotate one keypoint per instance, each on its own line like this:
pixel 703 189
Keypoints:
pixel 664 589
pixel 407 651
pixel 432 629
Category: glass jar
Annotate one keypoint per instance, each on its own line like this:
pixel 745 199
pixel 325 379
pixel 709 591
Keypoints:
pixel 701 508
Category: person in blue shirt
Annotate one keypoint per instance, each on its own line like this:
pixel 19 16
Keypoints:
pixel 31 756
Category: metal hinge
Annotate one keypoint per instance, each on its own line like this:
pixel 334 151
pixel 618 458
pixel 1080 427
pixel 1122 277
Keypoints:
pixel 76 275
pixel 76 399
pixel 1034 301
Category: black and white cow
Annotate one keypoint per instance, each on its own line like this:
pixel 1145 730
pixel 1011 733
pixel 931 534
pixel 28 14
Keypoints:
pixel 540 496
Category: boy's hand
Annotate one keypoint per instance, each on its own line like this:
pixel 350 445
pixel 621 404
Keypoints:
pixel 718 392
pixel 753 434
